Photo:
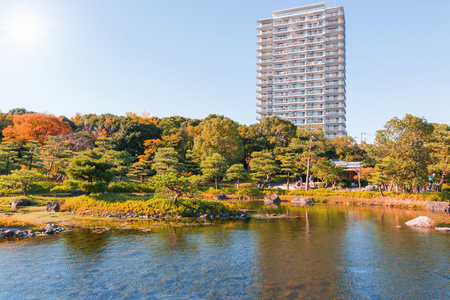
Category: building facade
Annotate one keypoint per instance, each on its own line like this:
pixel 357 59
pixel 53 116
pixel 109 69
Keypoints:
pixel 301 67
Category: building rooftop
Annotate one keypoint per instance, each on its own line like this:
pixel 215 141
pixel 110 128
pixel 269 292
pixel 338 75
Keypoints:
pixel 301 9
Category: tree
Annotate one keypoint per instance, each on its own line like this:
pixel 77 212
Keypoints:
pixel 237 172
pixel 9 158
pixel 191 163
pixel 105 125
pixel 440 147
pixel 90 171
pixel 132 135
pixel 276 131
pixel 5 121
pixel 30 155
pixel 166 161
pixel 55 155
pixel 219 135
pixel 214 166
pixel 34 127
pixel 328 172
pixel 121 160
pixel 380 176
pixel 262 166
pixel 143 118
pixel 288 163
pixel 142 169
pixel 309 146
pixel 344 148
pixel 167 185
pixel 21 179
pixel 401 147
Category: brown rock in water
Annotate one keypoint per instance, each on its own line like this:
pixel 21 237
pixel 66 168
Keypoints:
pixel 20 202
pixel 272 199
pixel 221 196
pixel 53 207
pixel 303 201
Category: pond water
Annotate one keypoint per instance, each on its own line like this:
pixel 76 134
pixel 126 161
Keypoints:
pixel 327 253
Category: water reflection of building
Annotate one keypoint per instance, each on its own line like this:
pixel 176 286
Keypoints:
pixel 302 257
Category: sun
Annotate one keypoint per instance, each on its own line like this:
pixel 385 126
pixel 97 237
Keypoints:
pixel 25 27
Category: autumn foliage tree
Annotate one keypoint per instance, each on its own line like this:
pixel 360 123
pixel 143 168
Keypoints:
pixel 34 127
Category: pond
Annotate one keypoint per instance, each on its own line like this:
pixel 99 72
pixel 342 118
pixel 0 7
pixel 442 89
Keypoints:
pixel 328 252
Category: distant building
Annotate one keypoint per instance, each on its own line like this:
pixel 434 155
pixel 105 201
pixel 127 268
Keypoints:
pixel 351 168
pixel 301 67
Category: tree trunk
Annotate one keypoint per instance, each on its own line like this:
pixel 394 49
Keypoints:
pixel 215 179
pixel 25 190
pixel 441 183
pixel 381 190
pixel 142 179
pixel 238 183
pixel 50 169
pixel 359 178
pixel 120 177
pixel 288 180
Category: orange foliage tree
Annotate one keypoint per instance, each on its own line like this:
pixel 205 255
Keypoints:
pixel 34 127
pixel 144 118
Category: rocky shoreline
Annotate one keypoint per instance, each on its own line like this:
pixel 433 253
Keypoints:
pixel 241 214
pixel 14 233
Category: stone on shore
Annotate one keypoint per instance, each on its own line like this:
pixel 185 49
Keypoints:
pixel 221 196
pixel 303 201
pixel 76 193
pixel 421 221
pixel 444 229
pixel 442 207
pixel 272 199
pixel 20 202
pixel 53 207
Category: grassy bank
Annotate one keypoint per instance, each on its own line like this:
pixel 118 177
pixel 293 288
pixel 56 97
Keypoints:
pixel 121 204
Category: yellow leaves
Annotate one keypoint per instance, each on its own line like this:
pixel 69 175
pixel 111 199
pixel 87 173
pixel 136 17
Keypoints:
pixel 143 118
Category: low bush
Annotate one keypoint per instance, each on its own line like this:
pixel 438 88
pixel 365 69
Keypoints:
pixel 41 187
pixel 61 188
pixel 12 222
pixel 253 192
pixel 130 187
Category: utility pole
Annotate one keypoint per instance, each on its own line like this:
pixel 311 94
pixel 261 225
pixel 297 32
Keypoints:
pixel 309 162
pixel 362 135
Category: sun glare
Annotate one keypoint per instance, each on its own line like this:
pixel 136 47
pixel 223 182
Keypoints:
pixel 23 28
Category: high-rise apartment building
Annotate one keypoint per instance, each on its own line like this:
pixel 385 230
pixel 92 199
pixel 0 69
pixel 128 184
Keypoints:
pixel 301 67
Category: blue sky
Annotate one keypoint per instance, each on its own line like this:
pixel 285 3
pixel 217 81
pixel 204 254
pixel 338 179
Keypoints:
pixel 193 58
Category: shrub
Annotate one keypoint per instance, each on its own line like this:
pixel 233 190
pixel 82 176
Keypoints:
pixel 345 183
pixel 246 185
pixel 130 187
pixel 249 192
pixel 62 188
pixel 41 187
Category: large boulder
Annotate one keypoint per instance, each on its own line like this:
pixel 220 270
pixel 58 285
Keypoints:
pixel 303 201
pixel 20 202
pixel 421 221
pixel 442 207
pixel 53 207
pixel 370 188
pixel 221 196
pixel 76 193
pixel 272 199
